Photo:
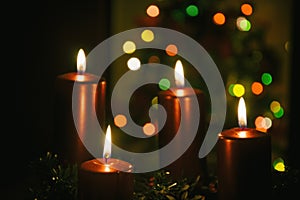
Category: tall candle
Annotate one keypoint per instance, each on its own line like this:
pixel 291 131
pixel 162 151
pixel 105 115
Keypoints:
pixel 244 161
pixel 180 109
pixel 106 178
pixel 89 96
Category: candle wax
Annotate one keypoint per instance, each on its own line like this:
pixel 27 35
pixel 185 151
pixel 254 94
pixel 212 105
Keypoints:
pixel 110 181
pixel 244 164
pixel 89 93
pixel 188 165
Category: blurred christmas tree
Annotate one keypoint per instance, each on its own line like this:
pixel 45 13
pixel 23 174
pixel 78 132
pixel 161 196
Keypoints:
pixel 236 43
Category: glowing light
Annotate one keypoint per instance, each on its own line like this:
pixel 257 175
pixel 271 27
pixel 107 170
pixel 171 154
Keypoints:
pixel 129 47
pixel 243 24
pixel 120 120
pixel 81 61
pixel 154 102
pixel 147 35
pixel 134 64
pixel 219 18
pixel 242 116
pixel 230 89
pixel 263 123
pixel 149 129
pixel 246 9
pixel 164 84
pixel 266 78
pixel 192 10
pixel 154 59
pixel 278 164
pixel 257 88
pixel 179 74
pixel 152 11
pixel 107 144
pixel 171 50
pixel 275 106
pixel 238 90
pixel 280 113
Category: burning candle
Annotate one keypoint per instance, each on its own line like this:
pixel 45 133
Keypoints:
pixel 181 104
pixel 244 161
pixel 80 98
pixel 106 178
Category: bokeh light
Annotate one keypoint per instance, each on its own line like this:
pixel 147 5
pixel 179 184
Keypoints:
pixel 171 50
pixel 275 106
pixel 243 24
pixel 129 47
pixel 134 64
pixel 257 88
pixel 153 59
pixel 278 164
pixel 149 129
pixel 238 90
pixel 147 35
pixel 230 90
pixel 152 11
pixel 164 84
pixel 219 18
pixel 280 113
pixel 192 10
pixel 266 78
pixel 120 120
pixel 246 9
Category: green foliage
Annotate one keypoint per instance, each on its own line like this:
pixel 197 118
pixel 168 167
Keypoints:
pixel 53 179
pixel 161 187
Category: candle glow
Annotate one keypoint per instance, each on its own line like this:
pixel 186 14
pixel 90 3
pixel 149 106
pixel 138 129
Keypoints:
pixel 179 74
pixel 242 117
pixel 81 61
pixel 107 144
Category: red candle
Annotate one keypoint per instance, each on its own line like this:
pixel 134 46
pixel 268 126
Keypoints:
pixel 80 100
pixel 180 104
pixel 244 161
pixel 106 178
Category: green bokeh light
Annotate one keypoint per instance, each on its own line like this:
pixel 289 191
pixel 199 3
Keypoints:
pixel 280 113
pixel 266 78
pixel 164 84
pixel 192 10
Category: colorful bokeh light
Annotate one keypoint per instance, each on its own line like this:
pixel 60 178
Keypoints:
pixel 192 10
pixel 266 78
pixel 171 50
pixel 164 84
pixel 149 129
pixel 152 11
pixel 238 90
pixel 257 88
pixel 147 35
pixel 243 24
pixel 120 120
pixel 219 18
pixel 246 9
pixel 129 47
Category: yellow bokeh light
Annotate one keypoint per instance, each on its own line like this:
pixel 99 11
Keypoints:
pixel 238 90
pixel 152 11
pixel 120 120
pixel 147 35
pixel 171 50
pixel 129 47
pixel 219 18
pixel 280 167
pixel 275 106
pixel 149 129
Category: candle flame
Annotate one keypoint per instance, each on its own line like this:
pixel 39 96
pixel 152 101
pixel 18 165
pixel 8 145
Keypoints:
pixel 242 117
pixel 179 74
pixel 107 144
pixel 81 61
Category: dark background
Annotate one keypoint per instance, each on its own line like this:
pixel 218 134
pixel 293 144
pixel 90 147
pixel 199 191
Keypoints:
pixel 48 35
